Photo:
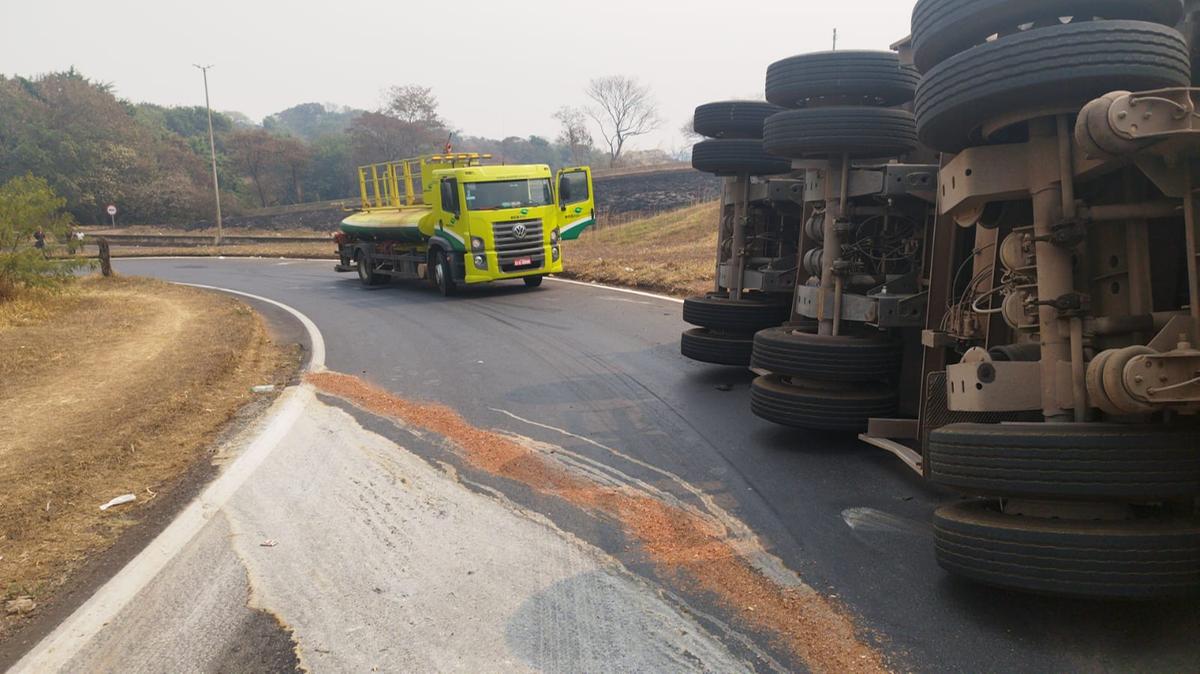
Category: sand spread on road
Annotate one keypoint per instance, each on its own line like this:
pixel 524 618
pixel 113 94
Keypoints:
pixel 812 627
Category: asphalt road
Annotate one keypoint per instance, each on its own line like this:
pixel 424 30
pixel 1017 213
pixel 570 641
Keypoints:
pixel 588 369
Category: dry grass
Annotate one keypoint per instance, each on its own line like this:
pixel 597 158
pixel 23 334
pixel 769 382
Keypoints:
pixel 672 252
pixel 30 306
pixel 114 386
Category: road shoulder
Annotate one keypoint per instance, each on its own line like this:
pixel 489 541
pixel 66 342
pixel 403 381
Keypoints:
pixel 121 387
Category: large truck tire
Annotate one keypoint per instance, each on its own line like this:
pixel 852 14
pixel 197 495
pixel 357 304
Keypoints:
pixel 1063 66
pixel 845 358
pixel 850 77
pixel 366 273
pixel 814 406
pixel 1084 461
pixel 1135 559
pixel 943 28
pixel 740 317
pixel 442 274
pixel 859 131
pixel 706 346
pixel 733 119
pixel 730 157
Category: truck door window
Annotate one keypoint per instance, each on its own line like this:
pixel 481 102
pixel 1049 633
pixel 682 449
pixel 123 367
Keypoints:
pixel 450 196
pixel 573 188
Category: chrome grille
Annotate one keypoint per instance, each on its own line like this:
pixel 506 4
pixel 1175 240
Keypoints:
pixel 509 247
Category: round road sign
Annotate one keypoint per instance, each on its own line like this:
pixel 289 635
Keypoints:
pixel 112 210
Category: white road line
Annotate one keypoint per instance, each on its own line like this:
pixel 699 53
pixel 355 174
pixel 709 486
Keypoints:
pixel 317 362
pixel 585 284
pixel 740 535
pixel 57 649
pixel 615 289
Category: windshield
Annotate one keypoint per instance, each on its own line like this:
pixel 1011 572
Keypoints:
pixel 508 194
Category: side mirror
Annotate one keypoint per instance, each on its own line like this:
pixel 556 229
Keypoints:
pixel 449 200
pixel 564 190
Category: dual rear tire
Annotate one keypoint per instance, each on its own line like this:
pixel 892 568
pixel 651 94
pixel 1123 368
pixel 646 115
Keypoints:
pixel 823 382
pixel 1102 468
pixel 725 327
pixel 1148 557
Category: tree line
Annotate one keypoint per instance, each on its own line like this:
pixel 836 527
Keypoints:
pixel 94 148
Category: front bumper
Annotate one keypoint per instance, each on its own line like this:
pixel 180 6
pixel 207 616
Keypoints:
pixel 498 270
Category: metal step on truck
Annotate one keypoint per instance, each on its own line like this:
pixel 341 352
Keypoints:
pixel 455 220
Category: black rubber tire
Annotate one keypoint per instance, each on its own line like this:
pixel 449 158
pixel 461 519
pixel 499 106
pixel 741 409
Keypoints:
pixel 733 119
pixel 850 77
pixel 707 346
pixel 533 281
pixel 1062 66
pixel 727 157
pixel 1136 559
pixel 845 358
pixel 741 317
pixel 818 408
pixel 366 275
pixel 1086 461
pixel 860 131
pixel 943 28
pixel 444 281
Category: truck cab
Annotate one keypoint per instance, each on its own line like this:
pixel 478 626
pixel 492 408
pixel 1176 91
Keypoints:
pixel 507 221
pixel 462 221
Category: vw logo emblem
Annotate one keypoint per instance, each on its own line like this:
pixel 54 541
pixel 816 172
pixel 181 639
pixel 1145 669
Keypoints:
pixel 519 231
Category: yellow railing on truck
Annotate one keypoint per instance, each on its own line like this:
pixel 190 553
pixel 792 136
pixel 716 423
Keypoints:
pixel 392 184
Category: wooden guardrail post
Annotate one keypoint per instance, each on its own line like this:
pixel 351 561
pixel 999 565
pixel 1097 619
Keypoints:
pixel 105 256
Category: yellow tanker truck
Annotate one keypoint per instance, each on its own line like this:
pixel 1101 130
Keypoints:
pixel 455 220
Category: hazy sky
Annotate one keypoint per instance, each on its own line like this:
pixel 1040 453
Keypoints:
pixel 498 68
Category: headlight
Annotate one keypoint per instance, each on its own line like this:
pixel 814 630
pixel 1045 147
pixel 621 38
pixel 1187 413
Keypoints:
pixel 476 244
pixel 480 262
pixel 554 235
pixel 554 253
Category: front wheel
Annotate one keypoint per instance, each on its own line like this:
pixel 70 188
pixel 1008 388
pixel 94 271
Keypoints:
pixel 533 281
pixel 442 275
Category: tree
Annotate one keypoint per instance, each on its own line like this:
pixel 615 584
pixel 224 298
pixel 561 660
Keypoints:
pixel 29 205
pixel 622 108
pixel 407 125
pixel 413 104
pixel 688 131
pixel 254 153
pixel 376 137
pixel 95 149
pixel 419 129
pixel 309 121
pixel 574 134
pixel 332 174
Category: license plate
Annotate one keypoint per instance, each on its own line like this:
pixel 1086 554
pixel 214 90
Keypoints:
pixel 522 262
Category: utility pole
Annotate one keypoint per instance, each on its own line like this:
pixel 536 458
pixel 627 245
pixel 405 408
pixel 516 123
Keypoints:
pixel 835 39
pixel 212 147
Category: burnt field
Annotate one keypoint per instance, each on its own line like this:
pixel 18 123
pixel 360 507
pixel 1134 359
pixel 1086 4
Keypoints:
pixel 653 193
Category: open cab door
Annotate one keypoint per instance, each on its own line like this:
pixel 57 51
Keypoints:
pixel 576 208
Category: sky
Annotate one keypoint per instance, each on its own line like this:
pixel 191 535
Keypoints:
pixel 498 67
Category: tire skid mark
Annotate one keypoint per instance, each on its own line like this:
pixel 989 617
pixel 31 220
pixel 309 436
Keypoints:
pixel 690 547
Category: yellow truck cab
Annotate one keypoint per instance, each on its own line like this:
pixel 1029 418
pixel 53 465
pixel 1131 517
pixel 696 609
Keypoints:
pixel 453 219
